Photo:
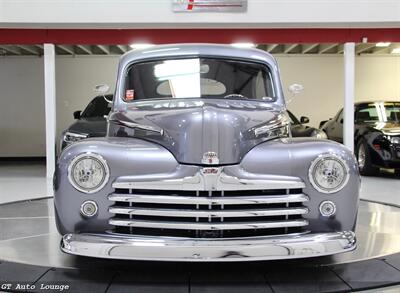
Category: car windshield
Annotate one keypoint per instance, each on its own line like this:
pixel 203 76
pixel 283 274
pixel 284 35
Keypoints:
pixel 98 107
pixel 378 112
pixel 199 78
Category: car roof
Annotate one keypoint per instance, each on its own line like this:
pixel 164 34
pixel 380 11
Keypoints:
pixel 377 101
pixel 195 49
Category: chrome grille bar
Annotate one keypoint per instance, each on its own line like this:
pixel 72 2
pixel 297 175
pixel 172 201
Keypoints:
pixel 199 181
pixel 207 226
pixel 192 200
pixel 207 214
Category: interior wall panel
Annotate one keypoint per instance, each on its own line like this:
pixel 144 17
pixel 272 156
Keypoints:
pixel 22 128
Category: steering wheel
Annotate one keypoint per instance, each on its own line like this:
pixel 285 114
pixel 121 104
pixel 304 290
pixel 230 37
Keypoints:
pixel 239 96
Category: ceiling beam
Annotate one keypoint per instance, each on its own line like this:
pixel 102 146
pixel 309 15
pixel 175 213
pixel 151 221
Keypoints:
pixel 31 49
pixel 11 49
pixel 340 49
pixel 67 48
pixel 307 48
pixel 271 47
pixel 326 47
pixel 104 49
pixel 123 49
pixel 383 50
pixel 85 49
pixel 364 47
pixel 289 48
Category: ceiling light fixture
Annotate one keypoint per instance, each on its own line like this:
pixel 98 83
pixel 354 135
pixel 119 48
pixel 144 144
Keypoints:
pixel 396 51
pixel 383 44
pixel 244 45
pixel 138 46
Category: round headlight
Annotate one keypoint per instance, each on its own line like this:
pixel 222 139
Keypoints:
pixel 328 173
pixel 88 173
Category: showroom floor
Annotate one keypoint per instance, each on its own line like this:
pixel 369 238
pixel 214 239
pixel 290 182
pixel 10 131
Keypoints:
pixel 26 180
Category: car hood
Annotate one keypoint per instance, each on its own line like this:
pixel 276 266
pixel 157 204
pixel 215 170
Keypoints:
pixel 189 129
pixel 391 128
pixel 300 130
pixel 94 127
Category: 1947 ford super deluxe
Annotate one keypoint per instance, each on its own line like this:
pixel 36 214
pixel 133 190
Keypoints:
pixel 199 165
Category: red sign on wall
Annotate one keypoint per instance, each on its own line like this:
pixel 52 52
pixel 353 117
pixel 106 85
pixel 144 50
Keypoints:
pixel 210 5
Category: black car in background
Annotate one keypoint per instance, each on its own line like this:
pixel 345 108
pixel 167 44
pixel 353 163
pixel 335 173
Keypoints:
pixel 376 134
pixel 298 128
pixel 89 123
pixel 92 123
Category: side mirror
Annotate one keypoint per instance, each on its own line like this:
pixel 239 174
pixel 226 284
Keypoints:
pixel 101 89
pixel 294 89
pixel 304 119
pixel 77 114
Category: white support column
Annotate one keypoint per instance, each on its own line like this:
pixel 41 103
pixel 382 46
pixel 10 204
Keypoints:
pixel 349 92
pixel 50 104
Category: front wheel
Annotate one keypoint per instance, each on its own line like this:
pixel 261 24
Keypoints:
pixel 364 159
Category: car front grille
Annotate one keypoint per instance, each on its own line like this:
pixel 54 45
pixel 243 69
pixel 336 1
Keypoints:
pixel 208 214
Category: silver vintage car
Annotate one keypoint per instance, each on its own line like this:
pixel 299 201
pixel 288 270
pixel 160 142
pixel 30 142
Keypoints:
pixel 199 165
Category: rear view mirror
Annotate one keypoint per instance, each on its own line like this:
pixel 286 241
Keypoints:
pixel 77 114
pixel 304 119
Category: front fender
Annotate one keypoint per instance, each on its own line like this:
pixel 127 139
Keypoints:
pixel 293 157
pixel 123 156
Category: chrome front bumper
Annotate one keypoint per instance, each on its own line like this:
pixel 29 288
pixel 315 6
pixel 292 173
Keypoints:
pixel 208 250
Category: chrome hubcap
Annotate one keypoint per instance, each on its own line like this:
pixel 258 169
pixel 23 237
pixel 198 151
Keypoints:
pixel 361 157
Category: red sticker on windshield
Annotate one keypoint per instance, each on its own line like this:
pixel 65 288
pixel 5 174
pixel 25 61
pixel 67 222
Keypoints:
pixel 129 95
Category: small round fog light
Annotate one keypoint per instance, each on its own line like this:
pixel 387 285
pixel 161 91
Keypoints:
pixel 327 208
pixel 89 209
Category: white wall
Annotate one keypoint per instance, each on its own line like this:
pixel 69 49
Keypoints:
pixel 22 121
pixel 377 77
pixel 75 80
pixel 158 13
pixel 22 131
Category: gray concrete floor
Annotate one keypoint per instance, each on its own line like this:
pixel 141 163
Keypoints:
pixel 21 180
pixel 27 180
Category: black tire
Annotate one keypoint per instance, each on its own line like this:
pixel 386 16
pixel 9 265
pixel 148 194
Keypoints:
pixel 366 168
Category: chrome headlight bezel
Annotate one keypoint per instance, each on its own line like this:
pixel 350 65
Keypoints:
pixel 319 134
pixel 93 156
pixel 76 136
pixel 338 159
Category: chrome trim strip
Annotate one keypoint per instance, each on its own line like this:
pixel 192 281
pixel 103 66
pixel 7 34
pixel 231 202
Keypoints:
pixel 208 250
pixel 205 213
pixel 170 199
pixel 217 180
pixel 206 226
pixel 139 126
